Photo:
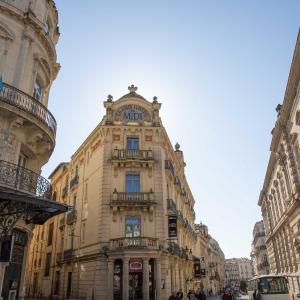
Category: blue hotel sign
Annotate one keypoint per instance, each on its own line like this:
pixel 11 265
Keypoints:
pixel 132 113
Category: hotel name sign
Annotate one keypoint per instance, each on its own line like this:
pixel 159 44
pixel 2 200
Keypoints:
pixel 132 113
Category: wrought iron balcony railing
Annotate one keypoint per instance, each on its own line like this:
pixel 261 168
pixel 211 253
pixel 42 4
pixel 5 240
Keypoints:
pixel 65 191
pixel 134 242
pixel 169 166
pixel 71 217
pixel 74 181
pixel 133 197
pixel 123 154
pixel 172 205
pixel 68 254
pixel 25 102
pixel 24 180
pixel 62 223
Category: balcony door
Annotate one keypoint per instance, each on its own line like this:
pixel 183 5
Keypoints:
pixel 133 183
pixel 132 143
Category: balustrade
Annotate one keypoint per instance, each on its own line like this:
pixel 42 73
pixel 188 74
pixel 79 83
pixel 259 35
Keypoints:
pixel 25 102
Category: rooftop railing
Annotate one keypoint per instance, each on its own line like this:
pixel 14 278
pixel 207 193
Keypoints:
pixel 27 103
pixel 24 180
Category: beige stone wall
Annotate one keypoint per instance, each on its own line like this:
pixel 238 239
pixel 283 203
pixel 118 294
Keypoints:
pixel 279 198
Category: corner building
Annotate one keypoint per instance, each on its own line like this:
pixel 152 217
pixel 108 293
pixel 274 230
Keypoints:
pixel 131 232
pixel 280 195
pixel 28 66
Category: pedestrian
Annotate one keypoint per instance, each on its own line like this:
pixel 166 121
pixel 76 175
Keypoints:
pixel 173 296
pixel 180 294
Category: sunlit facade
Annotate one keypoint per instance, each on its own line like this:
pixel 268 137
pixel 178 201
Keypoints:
pixel 131 232
pixel 27 132
pixel 280 195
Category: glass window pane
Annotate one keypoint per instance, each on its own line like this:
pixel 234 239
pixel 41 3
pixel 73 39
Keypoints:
pixel 132 143
pixel 133 183
pixel 132 226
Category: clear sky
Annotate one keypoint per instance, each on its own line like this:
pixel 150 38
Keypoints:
pixel 218 67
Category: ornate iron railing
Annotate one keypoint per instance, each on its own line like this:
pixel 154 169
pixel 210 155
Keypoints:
pixel 15 97
pixel 24 180
pixel 71 216
pixel 169 166
pixel 123 154
pixel 74 181
pixel 172 205
pixel 134 242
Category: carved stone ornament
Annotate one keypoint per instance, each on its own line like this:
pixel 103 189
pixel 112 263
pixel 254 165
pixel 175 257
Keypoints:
pixel 132 113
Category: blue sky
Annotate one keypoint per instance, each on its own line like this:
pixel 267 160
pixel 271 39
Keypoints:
pixel 218 67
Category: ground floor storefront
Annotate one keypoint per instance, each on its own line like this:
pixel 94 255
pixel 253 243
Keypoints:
pixel 120 276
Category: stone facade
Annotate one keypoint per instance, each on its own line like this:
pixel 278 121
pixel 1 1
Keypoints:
pixel 259 253
pixel 28 35
pixel 131 231
pixel 279 199
pixel 210 261
pixel 237 270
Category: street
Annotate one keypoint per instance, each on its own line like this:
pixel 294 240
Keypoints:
pixel 219 297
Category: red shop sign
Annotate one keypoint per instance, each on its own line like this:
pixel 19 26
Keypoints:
pixel 135 265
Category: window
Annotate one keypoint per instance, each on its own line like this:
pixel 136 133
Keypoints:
pixel 83 232
pixel 50 234
pixel 22 160
pixel 48 263
pixel 132 143
pixel 133 183
pixel 47 26
pixel 86 193
pixel 74 201
pixel 37 90
pixel 132 226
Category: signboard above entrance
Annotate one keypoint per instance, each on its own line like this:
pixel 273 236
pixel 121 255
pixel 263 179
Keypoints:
pixel 135 265
pixel 132 113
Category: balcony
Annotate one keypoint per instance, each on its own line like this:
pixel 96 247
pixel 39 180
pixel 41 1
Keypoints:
pixel 126 154
pixel 68 254
pixel 71 217
pixel 28 104
pixel 181 252
pixel 24 180
pixel 64 256
pixel 132 199
pixel 65 191
pixel 169 166
pixel 62 223
pixel 132 158
pixel 134 243
pixel 74 181
pixel 25 194
pixel 172 206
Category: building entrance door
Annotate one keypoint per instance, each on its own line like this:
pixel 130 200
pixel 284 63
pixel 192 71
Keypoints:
pixel 135 286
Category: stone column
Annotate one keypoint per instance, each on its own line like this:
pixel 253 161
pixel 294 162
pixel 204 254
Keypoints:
pixel 125 278
pixel 2 273
pixel 158 279
pixel 110 279
pixel 145 278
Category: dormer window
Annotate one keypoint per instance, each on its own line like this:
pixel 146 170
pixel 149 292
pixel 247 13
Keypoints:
pixel 37 90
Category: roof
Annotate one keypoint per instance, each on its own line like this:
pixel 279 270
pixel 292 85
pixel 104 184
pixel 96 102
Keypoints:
pixel 57 168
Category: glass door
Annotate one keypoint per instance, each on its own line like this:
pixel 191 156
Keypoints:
pixel 135 286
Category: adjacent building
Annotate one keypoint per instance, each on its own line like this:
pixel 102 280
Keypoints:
pixel 259 253
pixel 237 270
pixel 28 35
pixel 209 262
pixel 280 198
pixel 131 232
